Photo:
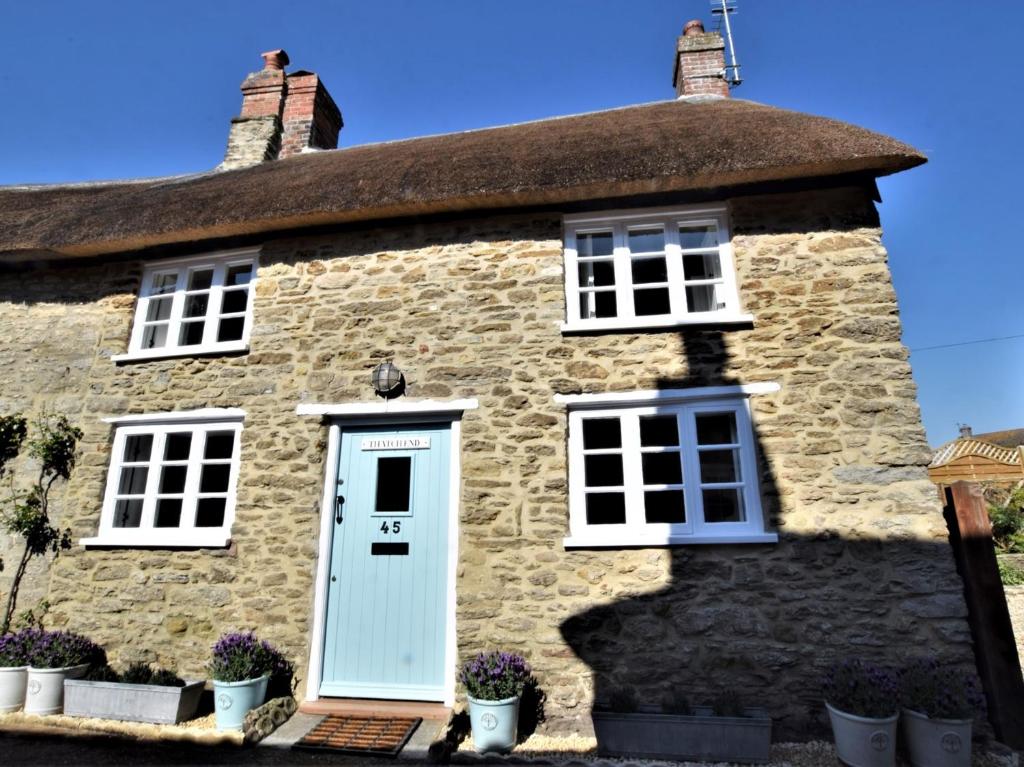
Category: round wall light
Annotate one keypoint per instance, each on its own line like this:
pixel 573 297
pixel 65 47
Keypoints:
pixel 387 379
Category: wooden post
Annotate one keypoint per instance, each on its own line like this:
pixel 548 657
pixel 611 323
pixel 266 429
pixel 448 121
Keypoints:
pixel 995 650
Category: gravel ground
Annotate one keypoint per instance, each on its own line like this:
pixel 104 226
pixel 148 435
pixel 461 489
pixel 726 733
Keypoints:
pixel 200 730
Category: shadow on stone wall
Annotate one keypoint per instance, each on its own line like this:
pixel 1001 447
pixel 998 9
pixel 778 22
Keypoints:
pixel 764 621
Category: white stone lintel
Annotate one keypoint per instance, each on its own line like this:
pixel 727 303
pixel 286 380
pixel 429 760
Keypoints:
pixel 181 416
pixel 387 408
pixel 665 396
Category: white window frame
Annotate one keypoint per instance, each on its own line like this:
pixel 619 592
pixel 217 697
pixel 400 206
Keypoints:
pixel 219 262
pixel 636 531
pixel 670 219
pixel 160 425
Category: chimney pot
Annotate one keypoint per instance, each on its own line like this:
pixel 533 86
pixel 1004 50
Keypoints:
pixel 693 27
pixel 275 60
pixel 966 432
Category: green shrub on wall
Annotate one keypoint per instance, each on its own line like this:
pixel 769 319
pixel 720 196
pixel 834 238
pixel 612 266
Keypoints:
pixel 25 514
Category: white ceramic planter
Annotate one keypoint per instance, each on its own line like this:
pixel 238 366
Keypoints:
pixel 13 680
pixel 864 742
pixel 937 742
pixel 233 700
pixel 45 688
pixel 494 724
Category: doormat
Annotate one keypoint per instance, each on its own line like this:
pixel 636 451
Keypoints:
pixel 360 735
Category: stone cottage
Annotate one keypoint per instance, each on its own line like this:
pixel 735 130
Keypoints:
pixel 654 427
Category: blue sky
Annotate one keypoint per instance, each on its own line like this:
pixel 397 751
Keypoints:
pixel 110 89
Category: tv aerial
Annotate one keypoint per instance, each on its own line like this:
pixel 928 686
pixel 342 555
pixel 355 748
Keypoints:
pixel 723 9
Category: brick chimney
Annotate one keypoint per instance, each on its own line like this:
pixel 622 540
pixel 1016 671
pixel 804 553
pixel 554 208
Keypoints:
pixel 700 64
pixel 281 115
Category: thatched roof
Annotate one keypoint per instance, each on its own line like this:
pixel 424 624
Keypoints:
pixel 653 148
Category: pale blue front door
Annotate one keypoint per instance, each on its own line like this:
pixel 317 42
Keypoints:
pixel 387 589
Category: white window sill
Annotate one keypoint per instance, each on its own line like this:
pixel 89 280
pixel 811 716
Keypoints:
pixel 163 538
pixel 202 350
pixel 624 540
pixel 649 323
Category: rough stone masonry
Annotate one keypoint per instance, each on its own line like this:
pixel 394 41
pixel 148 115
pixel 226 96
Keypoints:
pixel 471 308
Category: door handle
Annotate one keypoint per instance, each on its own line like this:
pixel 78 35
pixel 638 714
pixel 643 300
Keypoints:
pixel 339 501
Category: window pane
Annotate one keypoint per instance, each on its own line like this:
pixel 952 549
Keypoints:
pixel 219 444
pixel 195 306
pixel 716 429
pixel 646 241
pixel 210 512
pixel 128 513
pixel 601 433
pixel 603 470
pixel 231 329
pixel 214 478
pixel 177 445
pixel 158 309
pixel 168 512
pixel 595 244
pixel 705 236
pixel 393 480
pixel 719 466
pixel 596 273
pixel 173 479
pixel 723 506
pixel 137 448
pixel 234 301
pixel 238 275
pixel 154 337
pixel 200 279
pixel 133 480
pixel 651 301
pixel 659 431
pixel 598 305
pixel 665 506
pixel 606 508
pixel 701 298
pixel 191 333
pixel 164 283
pixel 649 270
pixel 662 468
pixel 705 267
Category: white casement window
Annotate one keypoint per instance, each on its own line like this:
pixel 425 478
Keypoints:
pixel 194 306
pixel 664 468
pixel 172 480
pixel 652 269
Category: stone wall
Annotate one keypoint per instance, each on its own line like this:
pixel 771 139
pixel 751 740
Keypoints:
pixel 472 309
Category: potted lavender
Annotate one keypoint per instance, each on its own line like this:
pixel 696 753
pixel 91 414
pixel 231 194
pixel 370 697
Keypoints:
pixel 15 650
pixel 863 705
pixel 241 668
pixel 939 703
pixel 494 684
pixel 56 656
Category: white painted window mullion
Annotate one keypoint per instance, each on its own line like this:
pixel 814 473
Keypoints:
pixel 146 521
pixel 674 264
pixel 691 469
pixel 195 457
pixel 727 265
pixel 623 276
pixel 632 469
pixel 213 304
pixel 572 287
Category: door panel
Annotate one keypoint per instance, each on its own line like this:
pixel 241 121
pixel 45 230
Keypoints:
pixel 387 590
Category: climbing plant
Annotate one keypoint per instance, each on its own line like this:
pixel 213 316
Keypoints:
pixel 25 514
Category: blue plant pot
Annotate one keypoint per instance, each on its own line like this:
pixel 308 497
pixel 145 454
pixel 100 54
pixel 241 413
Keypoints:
pixel 233 700
pixel 494 724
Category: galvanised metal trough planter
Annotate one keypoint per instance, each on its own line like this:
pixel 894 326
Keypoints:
pixel 699 737
pixel 157 704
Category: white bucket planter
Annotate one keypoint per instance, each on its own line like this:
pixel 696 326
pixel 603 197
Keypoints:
pixel 233 700
pixel 45 689
pixel 13 680
pixel 937 742
pixel 862 741
pixel 494 724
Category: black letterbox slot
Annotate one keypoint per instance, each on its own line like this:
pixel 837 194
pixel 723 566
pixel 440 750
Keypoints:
pixel 388 549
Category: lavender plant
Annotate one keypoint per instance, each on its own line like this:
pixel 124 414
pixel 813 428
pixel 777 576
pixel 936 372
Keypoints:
pixel 940 692
pixel 61 649
pixel 240 655
pixel 495 675
pixel 16 648
pixel 862 689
